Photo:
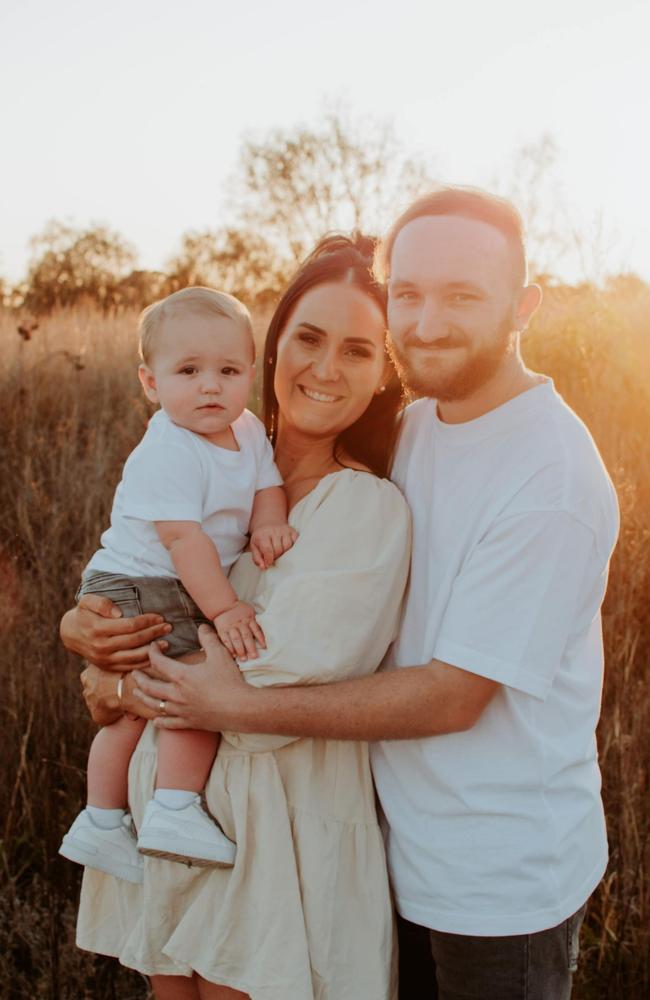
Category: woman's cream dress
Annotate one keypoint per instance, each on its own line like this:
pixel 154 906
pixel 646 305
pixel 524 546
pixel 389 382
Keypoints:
pixel 305 913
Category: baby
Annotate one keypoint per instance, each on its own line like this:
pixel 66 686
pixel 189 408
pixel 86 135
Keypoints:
pixel 200 480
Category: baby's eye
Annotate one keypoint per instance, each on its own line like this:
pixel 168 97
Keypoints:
pixel 188 370
pixel 228 370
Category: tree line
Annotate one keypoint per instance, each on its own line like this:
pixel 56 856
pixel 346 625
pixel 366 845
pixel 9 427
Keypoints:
pixel 290 187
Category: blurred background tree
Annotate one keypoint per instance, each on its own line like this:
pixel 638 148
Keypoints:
pixel 70 265
pixel 294 185
pixel 239 261
pixel 290 187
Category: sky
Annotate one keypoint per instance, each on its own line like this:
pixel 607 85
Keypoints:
pixel 132 113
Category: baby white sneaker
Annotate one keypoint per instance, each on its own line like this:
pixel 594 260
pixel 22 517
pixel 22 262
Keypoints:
pixel 187 835
pixel 113 851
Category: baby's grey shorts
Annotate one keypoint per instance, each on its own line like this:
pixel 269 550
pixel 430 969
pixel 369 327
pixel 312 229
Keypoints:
pixel 143 595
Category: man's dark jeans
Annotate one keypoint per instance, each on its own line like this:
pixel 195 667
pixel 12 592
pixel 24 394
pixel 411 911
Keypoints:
pixel 438 966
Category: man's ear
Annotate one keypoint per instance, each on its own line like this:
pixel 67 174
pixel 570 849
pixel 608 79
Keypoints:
pixel 148 383
pixel 530 299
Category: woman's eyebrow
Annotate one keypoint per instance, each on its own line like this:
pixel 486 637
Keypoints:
pixel 348 340
pixel 310 326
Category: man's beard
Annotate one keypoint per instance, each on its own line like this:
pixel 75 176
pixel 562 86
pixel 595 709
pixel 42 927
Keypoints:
pixel 448 386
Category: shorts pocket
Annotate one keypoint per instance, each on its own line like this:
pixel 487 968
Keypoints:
pixel 126 596
pixel 182 639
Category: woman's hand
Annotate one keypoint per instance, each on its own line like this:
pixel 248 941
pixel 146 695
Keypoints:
pixel 100 694
pixel 97 631
pixel 209 695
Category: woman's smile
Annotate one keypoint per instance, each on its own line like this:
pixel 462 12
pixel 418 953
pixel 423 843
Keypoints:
pixel 317 396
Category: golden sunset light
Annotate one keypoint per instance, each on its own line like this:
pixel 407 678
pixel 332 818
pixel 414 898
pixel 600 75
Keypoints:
pixel 132 115
pixel 325 406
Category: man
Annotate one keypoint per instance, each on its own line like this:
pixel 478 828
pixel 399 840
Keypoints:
pixel 486 762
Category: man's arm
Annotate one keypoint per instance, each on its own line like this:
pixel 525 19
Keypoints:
pixel 409 703
pixel 401 704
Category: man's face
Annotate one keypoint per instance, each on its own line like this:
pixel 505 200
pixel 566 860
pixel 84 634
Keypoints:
pixel 452 298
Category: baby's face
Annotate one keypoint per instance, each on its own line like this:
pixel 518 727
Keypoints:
pixel 201 373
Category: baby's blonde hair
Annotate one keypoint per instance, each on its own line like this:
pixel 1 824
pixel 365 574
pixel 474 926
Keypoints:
pixel 197 299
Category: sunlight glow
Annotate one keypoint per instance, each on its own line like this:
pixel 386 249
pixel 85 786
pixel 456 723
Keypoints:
pixel 132 115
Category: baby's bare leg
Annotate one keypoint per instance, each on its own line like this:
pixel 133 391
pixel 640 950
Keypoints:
pixel 185 756
pixel 108 763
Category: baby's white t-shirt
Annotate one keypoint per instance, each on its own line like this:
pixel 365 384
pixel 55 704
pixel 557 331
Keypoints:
pixel 500 830
pixel 177 475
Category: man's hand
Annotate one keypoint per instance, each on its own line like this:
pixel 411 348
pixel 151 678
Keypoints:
pixel 238 630
pixel 207 695
pixel 269 541
pixel 97 631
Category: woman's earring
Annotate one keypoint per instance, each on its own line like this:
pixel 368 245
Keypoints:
pixel 382 388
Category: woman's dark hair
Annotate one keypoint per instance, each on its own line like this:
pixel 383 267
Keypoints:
pixel 371 439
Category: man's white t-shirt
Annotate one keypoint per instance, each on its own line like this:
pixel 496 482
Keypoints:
pixel 499 830
pixel 177 475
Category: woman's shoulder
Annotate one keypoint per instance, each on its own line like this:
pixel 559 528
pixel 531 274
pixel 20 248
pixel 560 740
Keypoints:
pixel 351 521
pixel 361 489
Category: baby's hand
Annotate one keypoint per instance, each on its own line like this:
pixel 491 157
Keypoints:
pixel 269 541
pixel 239 630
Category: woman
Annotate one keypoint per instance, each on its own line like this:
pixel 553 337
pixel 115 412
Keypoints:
pixel 306 911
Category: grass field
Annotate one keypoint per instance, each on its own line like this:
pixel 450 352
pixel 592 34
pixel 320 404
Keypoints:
pixel 71 412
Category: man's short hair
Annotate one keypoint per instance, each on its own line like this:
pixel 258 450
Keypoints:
pixel 198 300
pixel 469 203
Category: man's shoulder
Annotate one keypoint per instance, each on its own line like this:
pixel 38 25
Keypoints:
pixel 416 420
pixel 564 471
pixel 419 412
pixel 562 439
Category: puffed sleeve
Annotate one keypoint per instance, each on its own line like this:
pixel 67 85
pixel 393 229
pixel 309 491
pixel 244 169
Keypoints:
pixel 330 606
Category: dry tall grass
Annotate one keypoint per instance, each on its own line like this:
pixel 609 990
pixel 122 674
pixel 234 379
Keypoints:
pixel 71 412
